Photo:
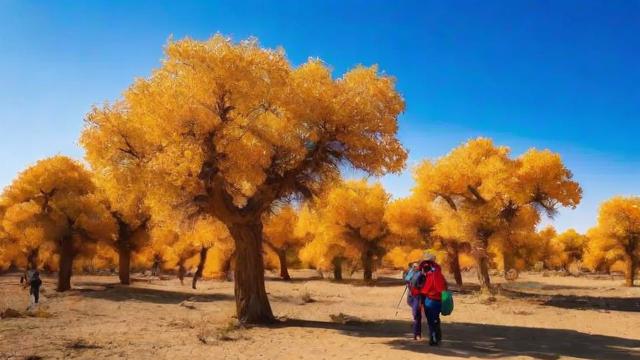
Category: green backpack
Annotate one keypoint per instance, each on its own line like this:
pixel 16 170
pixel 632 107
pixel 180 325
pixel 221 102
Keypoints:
pixel 447 303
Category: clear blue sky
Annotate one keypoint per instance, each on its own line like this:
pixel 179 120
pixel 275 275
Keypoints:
pixel 556 74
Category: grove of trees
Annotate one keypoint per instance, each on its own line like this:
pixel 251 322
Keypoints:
pixel 228 159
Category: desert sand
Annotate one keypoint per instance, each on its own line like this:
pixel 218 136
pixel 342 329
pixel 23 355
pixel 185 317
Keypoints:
pixel 546 317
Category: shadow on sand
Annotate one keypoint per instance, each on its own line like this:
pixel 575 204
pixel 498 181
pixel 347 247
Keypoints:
pixel 630 304
pixel 117 292
pixel 464 340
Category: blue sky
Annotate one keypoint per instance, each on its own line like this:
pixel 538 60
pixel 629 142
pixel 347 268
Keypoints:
pixel 563 75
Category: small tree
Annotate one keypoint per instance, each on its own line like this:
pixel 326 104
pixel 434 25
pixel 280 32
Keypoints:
pixel 117 152
pixel 569 247
pixel 354 214
pixel 617 234
pixel 280 236
pixel 322 250
pixel 488 191
pixel 60 198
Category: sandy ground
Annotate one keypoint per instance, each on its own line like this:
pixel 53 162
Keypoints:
pixel 533 317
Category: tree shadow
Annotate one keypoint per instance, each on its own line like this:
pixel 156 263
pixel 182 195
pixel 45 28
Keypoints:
pixel 465 340
pixel 630 304
pixel 381 281
pixel 534 285
pixel 119 293
pixel 295 280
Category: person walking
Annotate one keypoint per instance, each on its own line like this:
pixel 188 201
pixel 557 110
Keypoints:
pixel 434 285
pixel 415 280
pixel 35 284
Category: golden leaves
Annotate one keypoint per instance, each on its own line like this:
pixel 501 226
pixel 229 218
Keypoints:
pixel 51 199
pixel 245 113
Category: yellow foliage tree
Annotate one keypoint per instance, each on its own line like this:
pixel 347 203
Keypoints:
pixel 55 202
pixel 235 128
pixel 322 250
pixel 280 236
pixel 420 223
pixel 115 147
pixel 568 247
pixel 617 234
pixel 354 216
pixel 488 191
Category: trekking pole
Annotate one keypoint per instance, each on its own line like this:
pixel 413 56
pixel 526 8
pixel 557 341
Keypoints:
pixel 401 297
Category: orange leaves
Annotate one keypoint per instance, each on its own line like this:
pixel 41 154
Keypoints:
pixel 52 199
pixel 543 174
pixel 279 229
pixel 616 235
pixel 246 114
pixel 349 222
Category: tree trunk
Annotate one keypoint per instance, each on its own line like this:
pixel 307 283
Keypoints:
pixel 453 254
pixel 252 303
pixel 32 259
pixel 155 268
pixel 508 260
pixel 337 269
pixel 124 262
pixel 226 268
pixel 482 263
pixel 203 260
pixel 284 271
pixel 66 264
pixel 181 271
pixel 367 265
pixel 631 267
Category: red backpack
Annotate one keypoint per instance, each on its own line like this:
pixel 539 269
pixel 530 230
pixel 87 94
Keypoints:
pixel 435 284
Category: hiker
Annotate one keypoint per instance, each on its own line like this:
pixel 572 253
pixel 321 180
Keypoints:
pixel 434 285
pixel 412 268
pixel 415 279
pixel 35 284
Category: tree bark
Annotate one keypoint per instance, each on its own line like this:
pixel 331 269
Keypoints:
pixel 337 269
pixel 631 266
pixel 481 256
pixel 203 259
pixel 367 265
pixel 124 262
pixel 252 303
pixel 66 264
pixel 453 254
pixel 284 271
pixel 181 271
pixel 32 259
pixel 155 268
pixel 226 268
pixel 508 261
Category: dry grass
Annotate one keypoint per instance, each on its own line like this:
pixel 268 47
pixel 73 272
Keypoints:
pixel 306 298
pixel 80 344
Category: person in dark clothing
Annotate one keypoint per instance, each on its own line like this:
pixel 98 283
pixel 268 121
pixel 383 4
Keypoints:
pixel 35 284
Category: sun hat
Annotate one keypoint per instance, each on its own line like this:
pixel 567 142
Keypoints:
pixel 428 257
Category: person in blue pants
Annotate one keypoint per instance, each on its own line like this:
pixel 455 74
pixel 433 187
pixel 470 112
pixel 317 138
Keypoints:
pixel 432 311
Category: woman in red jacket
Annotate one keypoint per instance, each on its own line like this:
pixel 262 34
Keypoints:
pixel 435 284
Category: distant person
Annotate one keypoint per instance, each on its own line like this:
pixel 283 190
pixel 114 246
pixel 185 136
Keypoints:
pixel 35 284
pixel 434 285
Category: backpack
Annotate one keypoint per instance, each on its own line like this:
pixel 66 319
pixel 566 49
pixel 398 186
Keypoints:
pixel 439 282
pixel 408 275
pixel 447 303
pixel 417 280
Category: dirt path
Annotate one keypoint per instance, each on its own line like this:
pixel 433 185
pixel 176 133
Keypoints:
pixel 535 317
